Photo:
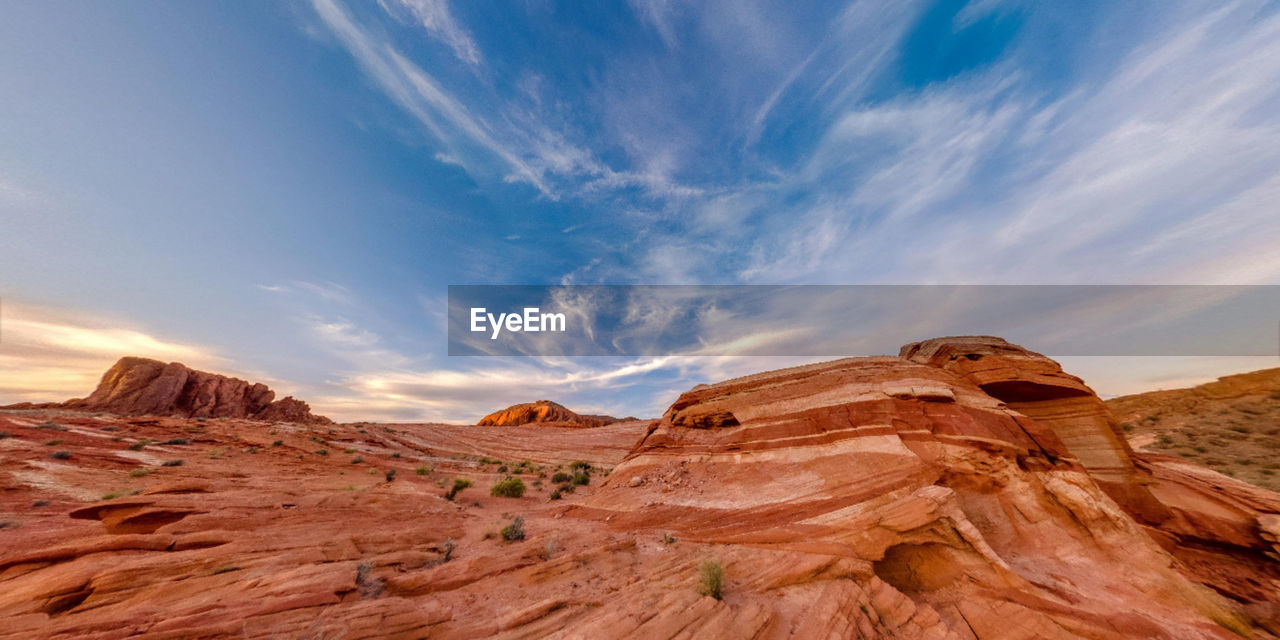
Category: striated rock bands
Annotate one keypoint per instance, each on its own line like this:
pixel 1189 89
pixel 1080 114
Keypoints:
pixel 967 490
pixel 141 386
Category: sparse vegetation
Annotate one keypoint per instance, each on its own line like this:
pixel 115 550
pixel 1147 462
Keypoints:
pixel 458 485
pixel 41 503
pixel 556 495
pixel 51 426
pixel 60 455
pixel 171 463
pixel 423 470
pixel 177 441
pixel 140 445
pixel 278 443
pixel 370 587
pixel 357 459
pixel 514 531
pixel 448 550
pixel 581 479
pixel 390 475
pixel 510 487
pixel 668 539
pixel 560 477
pixel 580 466
pixel 322 452
pixel 711 578
pixel 138 473
pixel 53 443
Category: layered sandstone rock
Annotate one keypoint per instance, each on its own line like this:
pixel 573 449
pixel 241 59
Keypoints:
pixel 943 502
pixel 543 412
pixel 141 386
pixel 1037 387
pixel 860 498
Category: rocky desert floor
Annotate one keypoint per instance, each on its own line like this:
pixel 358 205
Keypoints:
pixel 1231 425
pixel 966 489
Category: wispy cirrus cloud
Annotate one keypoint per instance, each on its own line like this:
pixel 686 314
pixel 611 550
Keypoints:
pixel 437 18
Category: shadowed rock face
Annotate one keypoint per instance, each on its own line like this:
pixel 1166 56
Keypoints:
pixel 141 386
pixel 543 412
pixel 1036 386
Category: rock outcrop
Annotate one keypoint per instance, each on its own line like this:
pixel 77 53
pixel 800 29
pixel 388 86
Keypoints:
pixel 141 386
pixel 923 496
pixel 965 489
pixel 544 412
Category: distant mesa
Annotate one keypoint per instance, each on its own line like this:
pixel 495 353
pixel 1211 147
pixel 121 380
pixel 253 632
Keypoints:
pixel 545 412
pixel 141 386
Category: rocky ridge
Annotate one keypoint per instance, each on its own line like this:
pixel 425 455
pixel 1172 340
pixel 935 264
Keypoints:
pixel 141 386
pixel 545 412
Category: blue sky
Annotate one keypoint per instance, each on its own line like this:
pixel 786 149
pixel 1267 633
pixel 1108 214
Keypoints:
pixel 284 190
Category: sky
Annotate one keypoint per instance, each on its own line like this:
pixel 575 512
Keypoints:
pixel 284 191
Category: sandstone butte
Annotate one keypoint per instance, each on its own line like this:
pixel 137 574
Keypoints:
pixel 968 488
pixel 141 386
pixel 545 412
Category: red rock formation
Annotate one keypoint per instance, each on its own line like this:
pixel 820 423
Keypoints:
pixel 945 504
pixel 140 386
pixel 542 412
pixel 860 498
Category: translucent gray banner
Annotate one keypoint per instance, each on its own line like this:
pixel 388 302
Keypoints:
pixel 844 320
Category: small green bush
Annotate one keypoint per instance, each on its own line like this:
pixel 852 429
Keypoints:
pixel 511 487
pixel 140 445
pixel 390 475
pixel 580 465
pixel 60 455
pixel 711 578
pixel 514 531
pixel 357 460
pixel 277 443
pixel 422 471
pixel 171 463
pixel 561 476
pixel 556 495
pixel 458 485
pixel 138 473
pixel 581 478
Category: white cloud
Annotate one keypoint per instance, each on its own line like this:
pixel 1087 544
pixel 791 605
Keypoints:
pixel 436 17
